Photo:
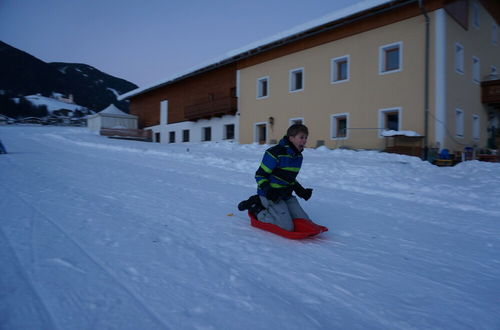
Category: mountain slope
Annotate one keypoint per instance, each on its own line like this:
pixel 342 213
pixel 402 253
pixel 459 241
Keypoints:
pixel 24 74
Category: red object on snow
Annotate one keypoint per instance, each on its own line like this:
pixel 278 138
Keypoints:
pixel 302 228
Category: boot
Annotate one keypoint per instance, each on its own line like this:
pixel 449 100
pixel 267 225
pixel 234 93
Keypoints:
pixel 252 204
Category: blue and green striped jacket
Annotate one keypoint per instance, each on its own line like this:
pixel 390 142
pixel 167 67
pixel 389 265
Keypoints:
pixel 279 168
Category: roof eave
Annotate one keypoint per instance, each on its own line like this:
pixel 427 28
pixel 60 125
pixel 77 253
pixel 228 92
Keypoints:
pixel 354 17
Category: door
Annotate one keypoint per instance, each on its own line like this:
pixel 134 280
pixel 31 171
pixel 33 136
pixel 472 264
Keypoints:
pixel 261 133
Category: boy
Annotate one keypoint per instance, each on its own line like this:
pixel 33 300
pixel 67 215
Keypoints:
pixel 276 180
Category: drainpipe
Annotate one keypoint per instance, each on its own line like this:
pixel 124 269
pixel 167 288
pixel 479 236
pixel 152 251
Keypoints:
pixel 426 80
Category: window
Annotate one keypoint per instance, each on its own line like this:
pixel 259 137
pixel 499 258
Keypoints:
pixel 476 70
pixel 459 123
pixel 207 133
pixel 340 69
pixel 494 34
pixel 296 78
pixel 475 15
pixel 185 135
pixel 459 58
pixel 392 121
pixel 229 132
pixel 294 121
pixel 390 58
pixel 171 137
pixel 389 120
pixel 476 125
pixel 493 73
pixel 262 87
pixel 339 126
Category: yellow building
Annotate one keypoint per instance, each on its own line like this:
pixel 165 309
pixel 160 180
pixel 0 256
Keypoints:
pixel 407 76
pixel 404 66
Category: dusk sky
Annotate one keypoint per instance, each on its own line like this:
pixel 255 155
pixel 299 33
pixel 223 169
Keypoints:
pixel 148 41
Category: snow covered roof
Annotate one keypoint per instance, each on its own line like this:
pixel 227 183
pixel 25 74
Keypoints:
pixel 246 50
pixel 112 111
pixel 399 133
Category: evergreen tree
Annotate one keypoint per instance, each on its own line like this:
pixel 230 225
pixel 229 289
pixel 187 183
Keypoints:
pixel 7 106
pixel 78 113
pixel 24 108
pixel 42 111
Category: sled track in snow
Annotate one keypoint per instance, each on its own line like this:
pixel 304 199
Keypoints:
pixel 26 278
pixel 98 263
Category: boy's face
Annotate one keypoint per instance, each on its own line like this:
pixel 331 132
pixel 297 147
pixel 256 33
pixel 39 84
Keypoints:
pixel 299 141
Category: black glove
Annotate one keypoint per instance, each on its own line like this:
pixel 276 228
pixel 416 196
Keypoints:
pixel 273 194
pixel 302 192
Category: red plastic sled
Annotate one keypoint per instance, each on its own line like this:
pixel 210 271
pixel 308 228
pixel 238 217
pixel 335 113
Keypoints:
pixel 302 228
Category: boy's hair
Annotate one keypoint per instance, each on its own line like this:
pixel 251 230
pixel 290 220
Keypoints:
pixel 296 129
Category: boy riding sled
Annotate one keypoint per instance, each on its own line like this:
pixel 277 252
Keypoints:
pixel 276 181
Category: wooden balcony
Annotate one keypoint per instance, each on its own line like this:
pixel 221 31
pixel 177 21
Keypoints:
pixel 217 107
pixel 490 92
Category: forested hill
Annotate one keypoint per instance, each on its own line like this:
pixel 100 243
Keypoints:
pixel 24 74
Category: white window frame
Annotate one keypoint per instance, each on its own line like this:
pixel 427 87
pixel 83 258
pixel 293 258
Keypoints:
pixel 291 121
pixel 476 69
pixel 494 34
pixel 334 69
pixel 476 15
pixel 203 134
pixel 381 56
pixel 382 116
pixel 334 128
pixel 292 80
pixel 459 123
pixel 260 89
pixel 188 135
pixel 459 58
pixel 476 127
pixel 256 132
pixel 170 140
pixel 225 127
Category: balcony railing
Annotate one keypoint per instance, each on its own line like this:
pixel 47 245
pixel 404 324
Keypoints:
pixel 213 108
pixel 490 92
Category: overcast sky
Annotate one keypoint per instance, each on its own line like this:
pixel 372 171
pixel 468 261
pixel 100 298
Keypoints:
pixel 146 41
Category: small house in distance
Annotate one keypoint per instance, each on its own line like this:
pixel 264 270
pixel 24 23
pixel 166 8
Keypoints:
pixel 111 117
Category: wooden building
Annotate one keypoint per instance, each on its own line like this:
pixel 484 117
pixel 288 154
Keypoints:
pixel 198 106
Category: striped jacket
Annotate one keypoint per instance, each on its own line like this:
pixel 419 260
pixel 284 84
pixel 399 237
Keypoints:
pixel 279 168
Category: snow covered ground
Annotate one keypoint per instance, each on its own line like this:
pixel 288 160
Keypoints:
pixel 98 233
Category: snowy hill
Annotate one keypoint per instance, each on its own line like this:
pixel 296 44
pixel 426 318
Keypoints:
pixel 99 233
pixel 23 74
pixel 53 104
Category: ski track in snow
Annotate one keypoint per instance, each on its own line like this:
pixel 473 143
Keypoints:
pixel 74 246
pixel 104 233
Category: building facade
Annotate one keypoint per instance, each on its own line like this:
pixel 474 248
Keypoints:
pixel 405 66
pixel 348 90
pixel 199 106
